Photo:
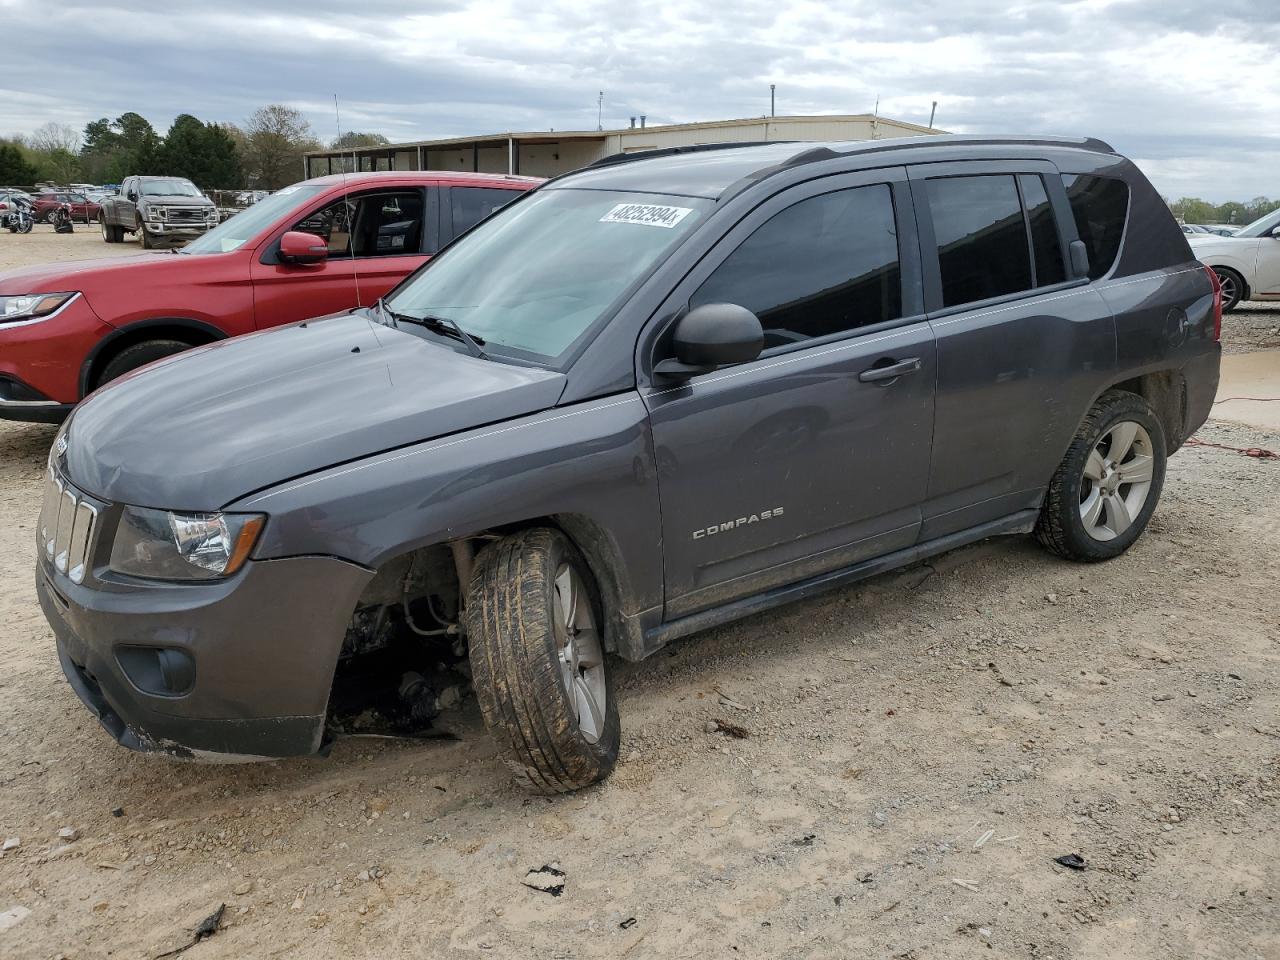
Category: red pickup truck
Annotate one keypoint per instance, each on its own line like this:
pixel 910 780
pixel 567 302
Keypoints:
pixel 317 247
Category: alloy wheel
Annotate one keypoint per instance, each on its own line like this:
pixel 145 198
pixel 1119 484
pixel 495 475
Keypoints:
pixel 1117 480
pixel 1228 282
pixel 580 652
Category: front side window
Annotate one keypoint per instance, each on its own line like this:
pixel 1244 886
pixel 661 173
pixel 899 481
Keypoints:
pixel 369 225
pixel 472 204
pixel 1100 206
pixel 235 232
pixel 534 280
pixel 825 265
pixel 981 236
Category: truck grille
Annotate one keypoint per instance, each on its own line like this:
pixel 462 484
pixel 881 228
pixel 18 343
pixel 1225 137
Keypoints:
pixel 67 525
pixel 187 215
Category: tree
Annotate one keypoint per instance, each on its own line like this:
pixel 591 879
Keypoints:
pixel 14 166
pixel 276 138
pixel 115 149
pixel 202 152
pixel 354 139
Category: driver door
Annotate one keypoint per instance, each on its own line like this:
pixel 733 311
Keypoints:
pixel 803 460
pixel 375 239
pixel 1267 275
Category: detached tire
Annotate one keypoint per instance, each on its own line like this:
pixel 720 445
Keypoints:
pixel 1107 487
pixel 537 660
pixel 138 355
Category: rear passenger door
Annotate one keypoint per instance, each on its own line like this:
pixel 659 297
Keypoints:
pixel 806 459
pixel 464 207
pixel 1023 345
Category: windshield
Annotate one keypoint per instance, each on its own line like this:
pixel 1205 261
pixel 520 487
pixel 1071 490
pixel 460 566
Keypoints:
pixel 1262 226
pixel 169 188
pixel 536 277
pixel 234 233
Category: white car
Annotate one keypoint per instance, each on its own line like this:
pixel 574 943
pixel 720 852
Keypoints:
pixel 1248 264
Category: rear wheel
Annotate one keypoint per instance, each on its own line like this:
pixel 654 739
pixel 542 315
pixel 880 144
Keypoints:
pixel 1232 287
pixel 110 232
pixel 138 355
pixel 1108 484
pixel 537 658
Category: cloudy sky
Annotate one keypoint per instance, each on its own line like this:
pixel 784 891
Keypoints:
pixel 1190 90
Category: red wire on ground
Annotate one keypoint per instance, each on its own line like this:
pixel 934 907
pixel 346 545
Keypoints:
pixel 1258 453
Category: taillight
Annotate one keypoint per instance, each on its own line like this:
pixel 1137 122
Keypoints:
pixel 1217 302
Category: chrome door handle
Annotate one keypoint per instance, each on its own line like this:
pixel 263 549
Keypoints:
pixel 891 372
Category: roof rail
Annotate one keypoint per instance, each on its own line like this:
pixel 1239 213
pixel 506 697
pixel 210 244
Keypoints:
pixel 674 151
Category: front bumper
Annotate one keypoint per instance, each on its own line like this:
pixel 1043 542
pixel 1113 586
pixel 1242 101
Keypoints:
pixel 264 645
pixel 40 362
pixel 164 229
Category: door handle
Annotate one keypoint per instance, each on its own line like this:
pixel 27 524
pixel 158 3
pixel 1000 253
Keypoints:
pixel 891 371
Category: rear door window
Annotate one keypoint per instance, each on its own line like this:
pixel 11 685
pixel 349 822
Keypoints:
pixel 1046 242
pixel 470 205
pixel 1100 206
pixel 981 236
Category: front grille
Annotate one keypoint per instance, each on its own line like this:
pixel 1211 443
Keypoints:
pixel 67 526
pixel 187 215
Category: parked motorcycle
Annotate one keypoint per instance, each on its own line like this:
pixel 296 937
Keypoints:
pixel 61 219
pixel 17 217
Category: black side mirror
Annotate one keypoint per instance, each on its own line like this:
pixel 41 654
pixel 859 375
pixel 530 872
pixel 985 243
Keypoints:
pixel 1079 259
pixel 131 195
pixel 710 336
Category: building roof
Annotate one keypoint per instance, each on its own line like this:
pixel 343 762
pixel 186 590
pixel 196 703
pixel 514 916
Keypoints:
pixel 711 169
pixel 559 136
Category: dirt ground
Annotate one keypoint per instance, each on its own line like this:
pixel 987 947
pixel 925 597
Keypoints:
pixel 920 748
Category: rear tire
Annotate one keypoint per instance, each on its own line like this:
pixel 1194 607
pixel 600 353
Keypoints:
pixel 537 659
pixel 1107 487
pixel 110 232
pixel 1233 288
pixel 138 355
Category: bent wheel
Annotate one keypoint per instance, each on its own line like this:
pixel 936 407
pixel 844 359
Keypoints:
pixel 537 658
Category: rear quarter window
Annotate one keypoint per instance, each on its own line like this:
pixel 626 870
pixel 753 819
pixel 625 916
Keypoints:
pixel 1100 207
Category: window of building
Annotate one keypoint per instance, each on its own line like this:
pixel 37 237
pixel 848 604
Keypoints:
pixel 827 264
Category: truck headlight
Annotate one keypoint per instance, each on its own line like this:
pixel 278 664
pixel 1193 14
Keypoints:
pixel 162 545
pixel 31 306
pixel 157 213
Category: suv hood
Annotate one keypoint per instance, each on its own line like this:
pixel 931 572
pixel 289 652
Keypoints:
pixel 59 277
pixel 204 428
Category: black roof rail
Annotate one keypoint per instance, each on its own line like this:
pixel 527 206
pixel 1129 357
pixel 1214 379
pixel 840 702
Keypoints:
pixel 616 158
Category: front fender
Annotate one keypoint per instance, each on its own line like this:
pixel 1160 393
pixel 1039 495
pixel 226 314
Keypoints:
pixel 588 468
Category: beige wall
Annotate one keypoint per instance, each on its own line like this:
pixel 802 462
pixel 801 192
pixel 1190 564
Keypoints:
pixel 552 159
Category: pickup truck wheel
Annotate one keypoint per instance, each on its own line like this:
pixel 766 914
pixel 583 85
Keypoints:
pixel 140 354
pixel 1232 288
pixel 537 660
pixel 110 232
pixel 148 242
pixel 1103 494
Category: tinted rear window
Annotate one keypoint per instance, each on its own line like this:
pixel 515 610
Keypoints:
pixel 981 236
pixel 1100 206
pixel 473 204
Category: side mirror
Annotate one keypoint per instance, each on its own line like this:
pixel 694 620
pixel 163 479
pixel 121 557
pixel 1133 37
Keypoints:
pixel 710 336
pixel 299 247
pixel 132 195
pixel 1275 232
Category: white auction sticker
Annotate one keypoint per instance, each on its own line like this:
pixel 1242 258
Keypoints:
pixel 649 214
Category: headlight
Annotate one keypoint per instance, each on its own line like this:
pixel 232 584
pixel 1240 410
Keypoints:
pixel 157 213
pixel 161 545
pixel 31 306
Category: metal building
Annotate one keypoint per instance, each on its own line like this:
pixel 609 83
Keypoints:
pixel 548 153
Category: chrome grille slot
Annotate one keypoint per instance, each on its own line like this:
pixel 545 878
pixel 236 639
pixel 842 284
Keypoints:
pixel 68 523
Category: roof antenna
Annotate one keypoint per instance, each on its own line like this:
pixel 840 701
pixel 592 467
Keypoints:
pixel 347 204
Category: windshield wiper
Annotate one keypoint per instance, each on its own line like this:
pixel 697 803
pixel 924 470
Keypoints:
pixel 439 325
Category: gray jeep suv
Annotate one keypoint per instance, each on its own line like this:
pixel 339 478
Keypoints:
pixel 652 396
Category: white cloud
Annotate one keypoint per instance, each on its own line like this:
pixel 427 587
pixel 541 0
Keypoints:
pixel 1190 93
